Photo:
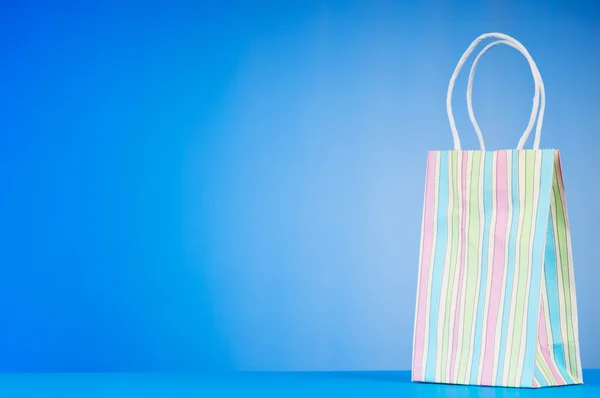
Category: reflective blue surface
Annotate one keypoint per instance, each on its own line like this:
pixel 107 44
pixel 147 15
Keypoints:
pixel 292 384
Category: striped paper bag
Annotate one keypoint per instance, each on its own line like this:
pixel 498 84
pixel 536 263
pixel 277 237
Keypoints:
pixel 496 293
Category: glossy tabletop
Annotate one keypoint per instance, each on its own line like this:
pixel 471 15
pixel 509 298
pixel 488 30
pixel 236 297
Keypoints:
pixel 264 385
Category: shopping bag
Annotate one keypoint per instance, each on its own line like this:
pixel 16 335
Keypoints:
pixel 496 299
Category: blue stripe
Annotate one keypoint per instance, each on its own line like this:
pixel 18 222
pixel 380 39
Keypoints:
pixel 553 303
pixel 539 236
pixel 540 377
pixel 511 264
pixel 487 207
pixel 438 265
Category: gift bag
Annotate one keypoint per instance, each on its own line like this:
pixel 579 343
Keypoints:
pixel 496 293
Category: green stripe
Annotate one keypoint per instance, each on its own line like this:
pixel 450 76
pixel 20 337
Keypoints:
pixel 544 373
pixel 522 267
pixel 543 367
pixel 453 242
pixel 472 258
pixel 563 257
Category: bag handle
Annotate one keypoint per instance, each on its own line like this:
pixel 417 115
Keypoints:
pixel 539 94
pixel 540 100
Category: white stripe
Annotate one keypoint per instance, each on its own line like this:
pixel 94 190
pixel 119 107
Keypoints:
pixel 488 265
pixel 454 287
pixel 511 321
pixel 430 265
pixel 444 288
pixel 499 322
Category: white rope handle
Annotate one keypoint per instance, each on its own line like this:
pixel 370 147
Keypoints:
pixel 539 90
pixel 538 100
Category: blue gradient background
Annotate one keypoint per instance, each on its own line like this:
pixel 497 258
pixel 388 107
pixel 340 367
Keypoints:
pixel 238 185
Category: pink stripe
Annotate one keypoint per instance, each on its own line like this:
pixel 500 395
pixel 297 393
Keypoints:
pixel 535 383
pixel 543 344
pixel 454 348
pixel 428 229
pixel 497 266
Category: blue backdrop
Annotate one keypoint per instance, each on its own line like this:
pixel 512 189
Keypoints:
pixel 238 185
